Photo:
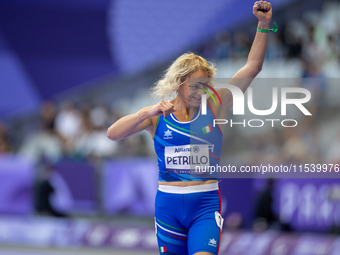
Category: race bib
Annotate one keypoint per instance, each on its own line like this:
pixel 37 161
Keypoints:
pixel 187 156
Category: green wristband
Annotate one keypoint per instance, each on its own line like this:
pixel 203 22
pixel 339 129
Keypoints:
pixel 268 30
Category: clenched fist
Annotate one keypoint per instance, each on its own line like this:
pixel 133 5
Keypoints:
pixel 263 11
pixel 163 107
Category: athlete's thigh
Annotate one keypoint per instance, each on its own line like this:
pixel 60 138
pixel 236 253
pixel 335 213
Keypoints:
pixel 171 235
pixel 204 235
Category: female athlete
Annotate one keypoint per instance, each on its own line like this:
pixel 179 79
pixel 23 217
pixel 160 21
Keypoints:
pixel 188 207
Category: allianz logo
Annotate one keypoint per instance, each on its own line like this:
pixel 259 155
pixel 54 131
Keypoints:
pixel 182 150
pixel 194 149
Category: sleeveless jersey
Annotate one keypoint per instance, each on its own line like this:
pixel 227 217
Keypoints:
pixel 185 150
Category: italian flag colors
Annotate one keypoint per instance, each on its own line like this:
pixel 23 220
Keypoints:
pixel 163 249
pixel 207 129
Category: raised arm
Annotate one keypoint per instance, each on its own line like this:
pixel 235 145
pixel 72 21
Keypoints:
pixel 242 79
pixel 145 119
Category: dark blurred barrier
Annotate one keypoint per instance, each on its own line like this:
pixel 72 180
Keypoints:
pixel 16 185
pixel 73 183
pixel 79 184
pixel 130 185
pixel 308 204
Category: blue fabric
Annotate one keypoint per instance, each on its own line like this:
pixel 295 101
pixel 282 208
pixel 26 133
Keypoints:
pixel 171 132
pixel 186 224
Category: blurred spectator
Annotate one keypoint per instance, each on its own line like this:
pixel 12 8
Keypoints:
pixel 48 114
pixel 332 49
pixel 256 147
pixel 334 198
pixel 92 140
pixel 275 48
pixel 82 145
pixel 294 149
pixel 43 195
pixel 333 153
pixel 265 217
pixel 99 116
pixel 314 81
pixel 208 50
pixel 242 44
pixel 45 143
pixel 134 146
pixel 271 147
pixel 68 123
pixel 5 142
pixel 264 148
pixel 293 43
pixel 223 45
pixel 113 116
pixel 233 221
pixel 264 204
pixel 82 142
pixel 311 48
pixel 101 146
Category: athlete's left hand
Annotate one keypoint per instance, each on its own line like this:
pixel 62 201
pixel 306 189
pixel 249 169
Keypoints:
pixel 263 11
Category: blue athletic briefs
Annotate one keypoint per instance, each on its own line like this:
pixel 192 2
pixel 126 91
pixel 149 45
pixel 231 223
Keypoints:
pixel 188 223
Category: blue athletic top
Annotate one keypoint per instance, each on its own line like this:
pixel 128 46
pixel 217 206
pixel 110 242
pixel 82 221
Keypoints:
pixel 185 150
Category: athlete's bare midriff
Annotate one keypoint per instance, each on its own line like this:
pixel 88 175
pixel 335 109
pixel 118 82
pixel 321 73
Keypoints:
pixel 187 183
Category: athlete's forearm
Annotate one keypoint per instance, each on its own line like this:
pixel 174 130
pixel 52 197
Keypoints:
pixel 258 50
pixel 131 124
pixel 128 124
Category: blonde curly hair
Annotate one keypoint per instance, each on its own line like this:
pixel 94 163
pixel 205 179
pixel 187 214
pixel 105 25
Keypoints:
pixel 178 73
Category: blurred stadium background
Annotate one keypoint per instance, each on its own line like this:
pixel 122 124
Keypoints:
pixel 70 68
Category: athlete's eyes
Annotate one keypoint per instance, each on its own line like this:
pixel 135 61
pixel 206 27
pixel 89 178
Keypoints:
pixel 202 85
pixel 194 86
pixel 198 86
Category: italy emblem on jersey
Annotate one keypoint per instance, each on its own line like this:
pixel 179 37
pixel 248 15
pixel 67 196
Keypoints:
pixel 163 249
pixel 207 129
